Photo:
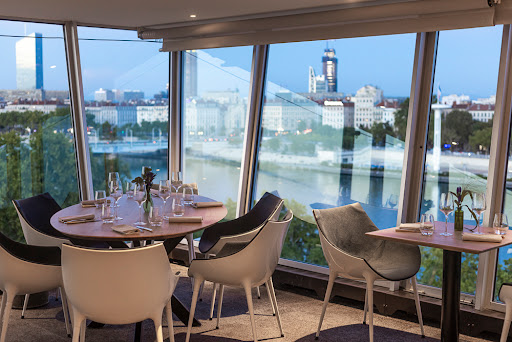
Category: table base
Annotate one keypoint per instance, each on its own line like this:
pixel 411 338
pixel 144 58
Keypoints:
pixel 450 311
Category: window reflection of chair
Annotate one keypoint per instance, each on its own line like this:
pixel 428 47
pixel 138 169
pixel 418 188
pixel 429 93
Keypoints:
pixel 351 254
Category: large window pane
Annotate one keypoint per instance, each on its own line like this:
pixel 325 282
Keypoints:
pixel 459 134
pixel 216 86
pixel 126 84
pixel 36 136
pixel 333 131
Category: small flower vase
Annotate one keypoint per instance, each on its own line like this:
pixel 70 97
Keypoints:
pixel 459 220
pixel 148 203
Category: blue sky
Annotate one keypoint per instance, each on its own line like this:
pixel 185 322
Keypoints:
pixel 467 62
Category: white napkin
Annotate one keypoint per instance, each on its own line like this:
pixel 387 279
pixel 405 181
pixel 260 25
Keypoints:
pixel 186 219
pixel 207 204
pixel 125 229
pixel 482 237
pixel 409 227
pixel 66 219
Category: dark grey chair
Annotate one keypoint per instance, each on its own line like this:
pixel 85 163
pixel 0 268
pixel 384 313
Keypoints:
pixel 352 254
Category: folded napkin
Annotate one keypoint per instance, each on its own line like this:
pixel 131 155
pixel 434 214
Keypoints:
pixel 409 227
pixel 124 229
pixel 207 204
pixel 84 218
pixel 88 204
pixel 186 219
pixel 482 237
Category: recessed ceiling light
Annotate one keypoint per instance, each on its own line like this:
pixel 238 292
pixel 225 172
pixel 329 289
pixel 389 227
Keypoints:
pixel 193 16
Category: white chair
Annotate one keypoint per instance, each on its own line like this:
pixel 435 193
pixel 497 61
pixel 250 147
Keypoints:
pixel 220 238
pixel 252 265
pixel 352 254
pixel 505 296
pixel 26 269
pixel 118 286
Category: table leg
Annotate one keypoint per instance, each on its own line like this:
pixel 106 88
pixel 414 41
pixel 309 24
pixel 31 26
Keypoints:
pixel 450 310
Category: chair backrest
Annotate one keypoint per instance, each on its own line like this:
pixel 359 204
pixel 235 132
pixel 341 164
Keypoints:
pixel 35 214
pixel 117 286
pixel 345 228
pixel 267 208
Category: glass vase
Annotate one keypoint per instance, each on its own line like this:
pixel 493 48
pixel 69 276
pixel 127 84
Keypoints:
pixel 148 203
pixel 459 220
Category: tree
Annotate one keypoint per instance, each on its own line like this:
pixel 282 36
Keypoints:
pixel 401 116
pixel 457 128
pixel 379 132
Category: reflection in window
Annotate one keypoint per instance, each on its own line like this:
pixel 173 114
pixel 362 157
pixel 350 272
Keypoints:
pixel 216 86
pixel 329 139
pixel 36 136
pixel 459 134
pixel 127 103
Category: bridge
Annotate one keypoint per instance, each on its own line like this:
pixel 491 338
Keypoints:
pixel 139 146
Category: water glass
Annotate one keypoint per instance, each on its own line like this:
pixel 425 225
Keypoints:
pixel 178 207
pixel 113 176
pixel 427 224
pixel 100 197
pixel 129 189
pixel 155 217
pixel 500 224
pixel 107 213
pixel 176 180
pixel 188 195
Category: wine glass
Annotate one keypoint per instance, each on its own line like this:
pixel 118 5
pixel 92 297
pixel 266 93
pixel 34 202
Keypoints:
pixel 478 206
pixel 446 207
pixel 99 198
pixel 176 180
pixel 164 192
pixel 116 193
pixel 113 176
pixel 139 195
pixel 500 224
pixel 393 201
pixel 427 224
pixel 129 189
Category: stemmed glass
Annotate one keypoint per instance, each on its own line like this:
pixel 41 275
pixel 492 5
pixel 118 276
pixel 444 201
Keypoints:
pixel 176 180
pixel 114 176
pixel 446 207
pixel 139 195
pixel 116 193
pixel 478 206
pixel 164 192
pixel 393 201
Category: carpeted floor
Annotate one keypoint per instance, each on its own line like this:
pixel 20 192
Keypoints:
pixel 299 316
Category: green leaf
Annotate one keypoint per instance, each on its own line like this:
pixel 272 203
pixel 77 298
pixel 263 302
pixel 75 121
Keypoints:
pixel 473 214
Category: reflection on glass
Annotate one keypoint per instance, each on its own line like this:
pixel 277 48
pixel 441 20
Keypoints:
pixel 459 134
pixel 216 86
pixel 36 135
pixel 127 103
pixel 333 139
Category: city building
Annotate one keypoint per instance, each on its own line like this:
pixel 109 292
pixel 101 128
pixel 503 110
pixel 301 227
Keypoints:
pixel 190 77
pixel 481 112
pixel 385 111
pixel 103 95
pixel 316 83
pixel 338 114
pixel 330 70
pixel 29 62
pixel 364 105
pixel 455 99
pixel 152 113
pixel 45 107
pixel 288 112
pixel 133 95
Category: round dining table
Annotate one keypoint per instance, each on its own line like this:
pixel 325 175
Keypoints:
pixel 128 210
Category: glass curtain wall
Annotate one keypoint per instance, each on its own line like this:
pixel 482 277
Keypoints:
pixel 36 135
pixel 459 133
pixel 333 130
pixel 126 90
pixel 215 91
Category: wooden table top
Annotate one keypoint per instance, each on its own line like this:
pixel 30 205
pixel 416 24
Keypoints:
pixel 129 211
pixel 451 243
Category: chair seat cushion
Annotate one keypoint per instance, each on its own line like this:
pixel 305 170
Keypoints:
pixel 395 261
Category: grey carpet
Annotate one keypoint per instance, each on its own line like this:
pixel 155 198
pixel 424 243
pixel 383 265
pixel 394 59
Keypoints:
pixel 299 316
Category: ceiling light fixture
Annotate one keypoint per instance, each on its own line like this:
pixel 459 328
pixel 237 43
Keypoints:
pixel 193 16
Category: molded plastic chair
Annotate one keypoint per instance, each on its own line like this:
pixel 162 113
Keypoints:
pixel 252 265
pixel 119 286
pixel 220 238
pixel 352 254
pixel 505 296
pixel 26 269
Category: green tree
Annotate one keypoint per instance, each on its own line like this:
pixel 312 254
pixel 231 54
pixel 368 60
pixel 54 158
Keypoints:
pixel 379 132
pixel 458 126
pixel 401 116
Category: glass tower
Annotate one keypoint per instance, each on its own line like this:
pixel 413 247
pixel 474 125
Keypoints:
pixel 330 70
pixel 29 62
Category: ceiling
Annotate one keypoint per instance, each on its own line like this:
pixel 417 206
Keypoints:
pixel 136 13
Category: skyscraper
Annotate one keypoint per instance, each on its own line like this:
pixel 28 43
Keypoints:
pixel 190 80
pixel 330 70
pixel 29 62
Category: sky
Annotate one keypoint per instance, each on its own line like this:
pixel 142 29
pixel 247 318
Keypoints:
pixel 467 62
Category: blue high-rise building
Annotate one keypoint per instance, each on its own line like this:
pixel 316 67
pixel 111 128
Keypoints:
pixel 29 62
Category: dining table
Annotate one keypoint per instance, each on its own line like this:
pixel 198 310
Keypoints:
pixel 170 233
pixel 453 246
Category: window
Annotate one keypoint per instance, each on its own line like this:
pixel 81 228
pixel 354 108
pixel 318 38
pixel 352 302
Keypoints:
pixel 36 136
pixel 459 140
pixel 127 103
pixel 335 136
pixel 216 86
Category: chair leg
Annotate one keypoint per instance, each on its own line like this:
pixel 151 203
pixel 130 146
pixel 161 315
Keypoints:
pixel 365 306
pixel 418 306
pixel 170 323
pixel 6 313
pixel 65 310
pixel 270 285
pixel 157 321
pixel 197 284
pixel 369 292
pixel 191 250
pixel 77 326
pixel 248 295
pixel 83 327
pixel 212 305
pixel 270 298
pixel 332 277
pixel 258 293
pixel 219 304
pixel 506 321
pixel 25 303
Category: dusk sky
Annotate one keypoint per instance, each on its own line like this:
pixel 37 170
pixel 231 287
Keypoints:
pixel 467 62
